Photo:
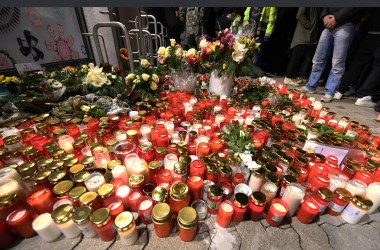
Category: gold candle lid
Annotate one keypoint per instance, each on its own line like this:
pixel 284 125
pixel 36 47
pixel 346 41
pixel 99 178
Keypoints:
pixel 63 187
pixel 187 217
pixel 269 177
pixel 154 165
pixel 179 190
pixel 105 190
pixel 289 179
pixel 124 221
pixel 362 202
pixel 55 165
pixel 325 194
pixel 112 164
pixel 56 176
pixel 25 166
pixel 87 198
pixel 82 215
pixel 32 153
pixel 100 217
pixel 57 152
pixel 25 149
pixel 66 156
pixel 76 169
pixel 77 192
pixel 88 160
pixel 159 194
pixel 41 175
pixel 136 180
pixel 161 213
pixel 258 198
pixel 11 139
pixel 7 200
pixel 80 177
pixel 62 213
pixel 343 194
pixel 161 150
pixel 44 162
pixel 71 162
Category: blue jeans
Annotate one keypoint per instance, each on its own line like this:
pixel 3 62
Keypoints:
pixel 336 41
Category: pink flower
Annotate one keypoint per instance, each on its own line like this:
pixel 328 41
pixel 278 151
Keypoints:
pixel 221 46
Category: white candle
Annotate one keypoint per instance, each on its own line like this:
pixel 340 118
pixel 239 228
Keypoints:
pixel 373 193
pixel 337 181
pixel 129 161
pixel 219 118
pixel 297 119
pixel 293 196
pixel 46 228
pixel 169 125
pixel 61 202
pixel 9 187
pixel 94 181
pixel 356 186
pixel 65 142
pixel 69 229
pixel 217 108
pixel 102 157
pixel 145 130
pixel 133 113
pixel 249 120
pixel 120 172
pixel 169 161
pixel 193 101
pixel 145 204
pixel 123 192
pixel 255 181
pixel 188 107
pixel 121 135
pixel 86 151
pixel 140 167
pixel 9 173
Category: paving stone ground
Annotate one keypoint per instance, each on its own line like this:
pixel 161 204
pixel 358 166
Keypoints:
pixel 327 232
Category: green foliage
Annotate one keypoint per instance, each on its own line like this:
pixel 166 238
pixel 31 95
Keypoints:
pixel 237 139
pixel 251 91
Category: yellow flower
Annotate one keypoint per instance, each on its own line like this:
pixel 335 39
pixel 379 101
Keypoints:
pixel 161 52
pixel 144 63
pixel 155 78
pixel 203 43
pixel 145 77
pixel 2 77
pixel 191 52
pixel 85 108
pixel 172 42
pixel 179 52
pixel 224 66
pixel 153 86
pixel 130 76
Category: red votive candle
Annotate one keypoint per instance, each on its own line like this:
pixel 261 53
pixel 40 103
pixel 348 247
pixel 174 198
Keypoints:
pixel 144 209
pixel 21 222
pixel 41 200
pixel 365 176
pixel 195 184
pixel 203 149
pixel 104 225
pixel 6 236
pixel 115 205
pixel 256 205
pixel 197 167
pixel 240 205
pixel 133 199
pixel 341 198
pixel 225 213
pixel 277 211
pixel 309 209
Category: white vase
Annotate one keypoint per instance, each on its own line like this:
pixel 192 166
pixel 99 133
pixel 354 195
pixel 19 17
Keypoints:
pixel 220 85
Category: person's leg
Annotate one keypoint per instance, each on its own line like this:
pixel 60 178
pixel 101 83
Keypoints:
pixel 295 61
pixel 342 38
pixel 361 59
pixel 307 61
pixel 371 86
pixel 322 52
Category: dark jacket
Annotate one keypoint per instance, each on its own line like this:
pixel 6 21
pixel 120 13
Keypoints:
pixel 307 26
pixel 344 15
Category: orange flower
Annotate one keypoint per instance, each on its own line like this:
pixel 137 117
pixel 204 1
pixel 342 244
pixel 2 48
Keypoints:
pixel 69 68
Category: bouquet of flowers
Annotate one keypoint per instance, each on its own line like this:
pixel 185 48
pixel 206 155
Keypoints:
pixel 102 83
pixel 228 55
pixel 145 83
pixel 250 90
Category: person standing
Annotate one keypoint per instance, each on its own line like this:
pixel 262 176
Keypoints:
pixel 340 27
pixel 303 45
pixel 194 20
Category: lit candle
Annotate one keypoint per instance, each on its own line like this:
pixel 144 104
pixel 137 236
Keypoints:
pixel 102 157
pixel 133 113
pixel 309 209
pixel 121 135
pixel 225 213
pixel 140 167
pixel 193 101
pixel 9 187
pixel 62 216
pixel 66 143
pixel 249 120
pixel 169 125
pixel 46 228
pixel 219 118
pixel 373 193
pixel 356 186
pixel 293 195
pixel 120 172
pixel 145 131
pixel 188 107
pixel 169 161
pixel 277 212
pixel 123 192
pixel 94 181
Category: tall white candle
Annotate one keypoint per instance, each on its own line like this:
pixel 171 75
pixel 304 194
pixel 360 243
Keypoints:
pixel 123 192
pixel 356 186
pixel 94 181
pixel 46 228
pixel 169 161
pixel 145 130
pixel 169 125
pixel 293 195
pixel 373 193
pixel 120 172
pixel 249 120
pixel 188 107
pixel 219 118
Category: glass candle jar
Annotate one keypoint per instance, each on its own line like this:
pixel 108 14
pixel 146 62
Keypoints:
pixel 214 198
pixel 169 161
pixel 41 200
pixel 126 228
pixel 293 196
pixel 144 209
pixel 160 194
pixel 240 205
pixel 195 184
pixel 162 220
pixel 12 142
pixel 179 196
pixel 122 149
pixel 356 186
pixel 337 181
pixel 237 179
pixel 256 205
pixel 102 157
pixel 373 193
pixel 94 181
pixel 257 178
pixel 62 216
pixel 103 223
pixel 212 172
pixel 187 224
pixel 65 142
pixel 356 209
pixel 123 192
pixel 365 176
pixel 277 211
pixel 225 174
pixel 45 227
pixel 90 199
pixel 285 182
pixel 146 152
pixel 133 199
pixel 10 186
pixel 81 218
pixel 269 189
pixel 154 168
pixel 339 202
pixel 119 171
pixel 62 188
pixel 75 193
pixel 225 213
pixel 201 207
pixel 323 197
pixel 197 167
pixel 21 222
pixel 308 210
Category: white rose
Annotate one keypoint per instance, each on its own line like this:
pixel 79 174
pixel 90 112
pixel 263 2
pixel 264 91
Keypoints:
pixel 172 42
pixel 179 52
pixel 144 63
pixel 145 77
pixel 203 43
pixel 167 52
pixel 56 85
pixel 113 76
pixel 155 78
pixel 161 51
pixel 91 65
pixel 50 81
pixel 130 76
pixel 191 52
pixel 136 81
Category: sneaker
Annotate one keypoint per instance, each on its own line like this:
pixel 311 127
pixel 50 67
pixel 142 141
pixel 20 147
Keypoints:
pixel 304 89
pixel 327 98
pixel 338 95
pixel 289 81
pixel 365 102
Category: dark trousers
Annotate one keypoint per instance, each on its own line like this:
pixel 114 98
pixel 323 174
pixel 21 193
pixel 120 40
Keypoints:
pixel 371 85
pixel 363 57
pixel 300 61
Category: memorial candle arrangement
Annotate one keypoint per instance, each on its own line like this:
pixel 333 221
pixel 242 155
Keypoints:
pixel 181 159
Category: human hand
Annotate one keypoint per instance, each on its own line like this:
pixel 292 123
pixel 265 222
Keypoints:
pixel 326 19
pixel 331 23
